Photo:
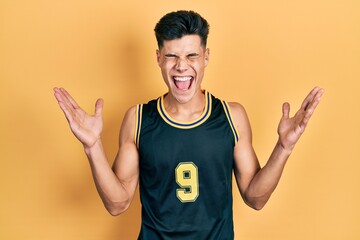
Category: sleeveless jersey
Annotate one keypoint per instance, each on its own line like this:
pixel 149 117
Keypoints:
pixel 186 172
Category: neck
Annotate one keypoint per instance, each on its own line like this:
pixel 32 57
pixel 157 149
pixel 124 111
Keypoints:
pixel 185 111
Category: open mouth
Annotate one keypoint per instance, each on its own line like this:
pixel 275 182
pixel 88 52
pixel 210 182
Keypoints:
pixel 183 83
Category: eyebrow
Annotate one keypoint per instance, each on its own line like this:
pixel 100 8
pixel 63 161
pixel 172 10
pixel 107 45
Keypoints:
pixel 188 55
pixel 170 55
pixel 192 54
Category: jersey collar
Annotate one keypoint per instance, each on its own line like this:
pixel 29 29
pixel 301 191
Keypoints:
pixel 185 125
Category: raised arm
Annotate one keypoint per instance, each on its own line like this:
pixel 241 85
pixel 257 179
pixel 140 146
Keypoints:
pixel 116 186
pixel 256 184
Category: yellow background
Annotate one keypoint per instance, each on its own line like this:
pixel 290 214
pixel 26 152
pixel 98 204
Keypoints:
pixel 262 54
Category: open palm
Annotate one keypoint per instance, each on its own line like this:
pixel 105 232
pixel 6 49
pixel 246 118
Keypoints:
pixel 87 128
pixel 291 129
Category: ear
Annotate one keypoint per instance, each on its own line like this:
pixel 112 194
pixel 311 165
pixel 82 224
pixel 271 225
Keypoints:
pixel 158 56
pixel 207 55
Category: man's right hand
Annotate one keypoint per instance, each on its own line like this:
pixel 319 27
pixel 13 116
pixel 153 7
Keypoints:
pixel 87 128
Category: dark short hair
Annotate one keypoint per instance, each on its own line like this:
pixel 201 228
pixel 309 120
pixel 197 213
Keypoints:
pixel 180 23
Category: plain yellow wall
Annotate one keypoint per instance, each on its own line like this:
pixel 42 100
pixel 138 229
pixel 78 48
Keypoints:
pixel 262 54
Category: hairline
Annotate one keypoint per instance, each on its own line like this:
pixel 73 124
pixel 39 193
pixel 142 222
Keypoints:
pixel 189 34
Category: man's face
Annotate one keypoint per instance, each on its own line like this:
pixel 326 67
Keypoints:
pixel 182 62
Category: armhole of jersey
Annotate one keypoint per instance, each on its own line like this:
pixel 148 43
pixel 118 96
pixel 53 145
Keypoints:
pixel 138 118
pixel 227 111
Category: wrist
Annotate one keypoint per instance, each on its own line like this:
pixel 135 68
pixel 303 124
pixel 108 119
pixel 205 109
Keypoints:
pixel 284 149
pixel 89 149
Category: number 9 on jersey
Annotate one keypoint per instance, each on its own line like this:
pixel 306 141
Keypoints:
pixel 186 174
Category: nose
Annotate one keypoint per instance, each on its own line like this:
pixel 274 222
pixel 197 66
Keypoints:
pixel 181 65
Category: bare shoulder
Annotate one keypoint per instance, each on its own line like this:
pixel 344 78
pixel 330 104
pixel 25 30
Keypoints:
pixel 128 125
pixel 238 113
pixel 240 117
pixel 237 108
pixel 130 113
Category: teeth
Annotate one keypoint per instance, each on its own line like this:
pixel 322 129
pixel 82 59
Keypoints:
pixel 182 79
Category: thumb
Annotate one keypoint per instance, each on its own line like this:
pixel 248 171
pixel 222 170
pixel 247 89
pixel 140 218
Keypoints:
pixel 99 106
pixel 286 110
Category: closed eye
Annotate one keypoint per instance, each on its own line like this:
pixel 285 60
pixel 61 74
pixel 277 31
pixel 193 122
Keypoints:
pixel 192 55
pixel 170 56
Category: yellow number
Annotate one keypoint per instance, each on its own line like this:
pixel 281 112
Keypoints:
pixel 186 174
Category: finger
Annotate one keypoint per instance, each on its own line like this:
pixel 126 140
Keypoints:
pixel 64 104
pixel 62 98
pixel 309 98
pixel 68 114
pixel 99 107
pixel 69 98
pixel 311 107
pixel 57 94
pixel 314 102
pixel 285 110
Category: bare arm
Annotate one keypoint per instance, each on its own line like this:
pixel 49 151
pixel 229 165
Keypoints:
pixel 116 186
pixel 256 184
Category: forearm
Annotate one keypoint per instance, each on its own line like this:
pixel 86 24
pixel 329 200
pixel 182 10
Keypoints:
pixel 112 192
pixel 267 178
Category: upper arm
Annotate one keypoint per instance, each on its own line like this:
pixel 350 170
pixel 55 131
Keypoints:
pixel 246 163
pixel 126 164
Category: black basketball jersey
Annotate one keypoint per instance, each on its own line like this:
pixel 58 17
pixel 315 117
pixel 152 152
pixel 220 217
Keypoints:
pixel 186 172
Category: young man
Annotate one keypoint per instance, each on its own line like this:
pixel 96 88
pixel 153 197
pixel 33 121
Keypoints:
pixel 184 146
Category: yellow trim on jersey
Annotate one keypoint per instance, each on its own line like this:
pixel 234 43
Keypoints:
pixel 185 125
pixel 138 117
pixel 228 113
